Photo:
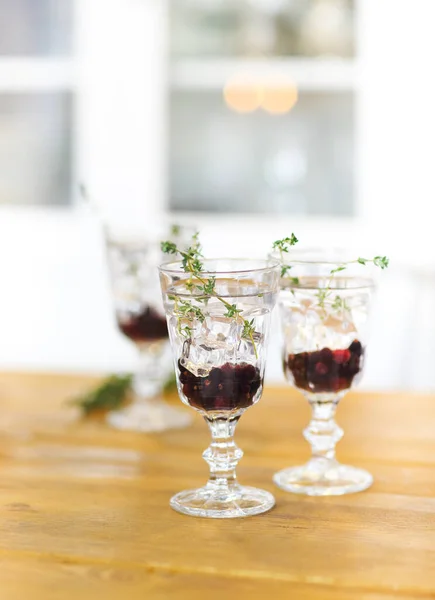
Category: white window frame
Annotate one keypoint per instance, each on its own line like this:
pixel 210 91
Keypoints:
pixel 120 74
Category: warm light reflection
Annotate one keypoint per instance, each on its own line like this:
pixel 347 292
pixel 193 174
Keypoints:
pixel 245 94
pixel 242 94
pixel 280 98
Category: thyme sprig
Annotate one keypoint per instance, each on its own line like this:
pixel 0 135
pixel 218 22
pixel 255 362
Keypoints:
pixel 340 303
pixel 205 288
pixel 175 229
pixel 323 295
pixel 283 246
pixel 109 395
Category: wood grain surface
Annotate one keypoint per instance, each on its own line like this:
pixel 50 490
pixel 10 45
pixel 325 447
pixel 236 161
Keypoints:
pixel 84 509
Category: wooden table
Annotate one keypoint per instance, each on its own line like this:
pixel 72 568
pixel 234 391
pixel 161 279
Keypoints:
pixel 84 510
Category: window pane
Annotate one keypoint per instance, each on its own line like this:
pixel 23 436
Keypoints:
pixel 35 27
pixel 298 163
pixel 35 148
pixel 272 27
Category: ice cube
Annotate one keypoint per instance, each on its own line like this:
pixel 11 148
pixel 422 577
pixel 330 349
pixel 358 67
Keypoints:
pixel 222 330
pixel 338 331
pixel 314 328
pixel 212 346
pixel 300 327
pixel 340 324
pixel 246 351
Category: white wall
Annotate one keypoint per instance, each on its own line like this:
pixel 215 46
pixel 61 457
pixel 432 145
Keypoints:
pixel 57 315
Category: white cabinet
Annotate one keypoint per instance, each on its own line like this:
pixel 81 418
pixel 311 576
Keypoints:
pixel 36 102
pixel 262 107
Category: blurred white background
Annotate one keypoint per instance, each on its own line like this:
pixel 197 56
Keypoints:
pixel 251 119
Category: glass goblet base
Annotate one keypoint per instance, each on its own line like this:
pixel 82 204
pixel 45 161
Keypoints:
pixel 209 501
pixel 323 478
pixel 149 416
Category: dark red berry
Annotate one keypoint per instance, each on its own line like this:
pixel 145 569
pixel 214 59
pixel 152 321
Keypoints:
pixel 326 356
pixel 219 403
pixel 144 326
pixel 342 383
pixel 228 370
pixel 321 368
pixel 246 372
pixel 341 356
pixel 356 348
pixel 183 377
pixel 215 375
pixel 325 370
pixel 230 387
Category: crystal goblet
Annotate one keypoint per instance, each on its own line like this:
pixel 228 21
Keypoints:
pixel 324 307
pixel 133 262
pixel 219 346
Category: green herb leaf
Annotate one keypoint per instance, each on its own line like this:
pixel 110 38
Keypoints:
pixel 209 286
pixel 195 240
pixel 186 310
pixel 109 395
pixel 186 331
pixel 285 269
pixel 168 247
pixel 338 269
pixel 284 244
pixel 322 295
pixel 381 261
pixel 248 329
pixel 232 311
pixel 378 261
pixel 133 269
pixel 170 384
pixel 336 305
pixel 340 304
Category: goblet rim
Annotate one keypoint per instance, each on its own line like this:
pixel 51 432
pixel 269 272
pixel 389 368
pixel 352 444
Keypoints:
pixel 334 256
pixel 269 265
pixel 358 283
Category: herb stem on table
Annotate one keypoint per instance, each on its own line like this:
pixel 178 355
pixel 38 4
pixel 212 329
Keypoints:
pixel 108 395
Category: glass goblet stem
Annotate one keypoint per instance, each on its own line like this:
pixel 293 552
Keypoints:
pixel 148 412
pixel 149 376
pixel 222 455
pixel 323 433
pixel 323 475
